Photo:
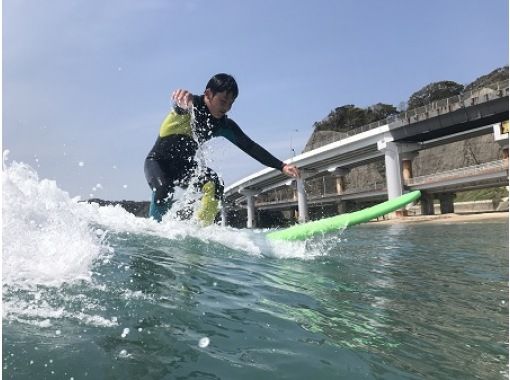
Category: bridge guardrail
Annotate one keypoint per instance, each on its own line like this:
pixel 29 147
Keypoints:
pixel 442 106
pixel 367 189
pixel 486 168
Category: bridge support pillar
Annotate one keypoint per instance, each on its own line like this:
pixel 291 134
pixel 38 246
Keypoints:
pixel 302 201
pixel 342 207
pixel 407 165
pixel 340 184
pixel 427 204
pixel 250 222
pixel 394 153
pixel 446 203
pixel 250 206
pixel 339 174
pixel 392 162
pixel 407 172
pixel 501 136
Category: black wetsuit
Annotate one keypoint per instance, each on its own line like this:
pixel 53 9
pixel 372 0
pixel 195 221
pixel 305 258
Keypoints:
pixel 171 162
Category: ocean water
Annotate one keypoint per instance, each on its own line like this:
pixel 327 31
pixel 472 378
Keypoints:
pixel 94 293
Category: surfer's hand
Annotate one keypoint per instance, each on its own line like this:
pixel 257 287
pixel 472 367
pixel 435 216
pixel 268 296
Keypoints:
pixel 291 170
pixel 182 98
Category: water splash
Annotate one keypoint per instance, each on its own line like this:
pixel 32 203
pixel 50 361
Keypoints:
pixel 50 238
pixel 187 200
pixel 45 241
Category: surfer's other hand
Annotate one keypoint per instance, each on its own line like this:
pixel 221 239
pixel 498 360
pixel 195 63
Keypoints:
pixel 182 98
pixel 291 170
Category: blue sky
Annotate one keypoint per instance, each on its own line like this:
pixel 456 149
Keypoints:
pixel 86 83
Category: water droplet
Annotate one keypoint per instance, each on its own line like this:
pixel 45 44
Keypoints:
pixel 124 354
pixel 203 342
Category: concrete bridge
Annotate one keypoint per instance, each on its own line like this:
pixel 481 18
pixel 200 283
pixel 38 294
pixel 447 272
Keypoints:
pixel 397 140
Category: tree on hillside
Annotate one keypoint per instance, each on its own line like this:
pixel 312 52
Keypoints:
pixel 342 119
pixel 380 111
pixel 434 91
pixel 489 80
pixel 348 117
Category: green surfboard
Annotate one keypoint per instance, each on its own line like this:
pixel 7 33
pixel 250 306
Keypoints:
pixel 334 223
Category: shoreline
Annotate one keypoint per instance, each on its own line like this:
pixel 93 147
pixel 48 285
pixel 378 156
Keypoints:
pixel 441 218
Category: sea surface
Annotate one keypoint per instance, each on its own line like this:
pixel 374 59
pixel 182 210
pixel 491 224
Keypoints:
pixel 93 292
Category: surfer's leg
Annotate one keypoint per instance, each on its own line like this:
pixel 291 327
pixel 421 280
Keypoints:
pixel 162 188
pixel 212 192
pixel 158 208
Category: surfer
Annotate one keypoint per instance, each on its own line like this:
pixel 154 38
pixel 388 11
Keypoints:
pixel 192 121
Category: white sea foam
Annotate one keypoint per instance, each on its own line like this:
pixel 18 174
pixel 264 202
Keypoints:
pixel 42 314
pixel 252 242
pixel 45 241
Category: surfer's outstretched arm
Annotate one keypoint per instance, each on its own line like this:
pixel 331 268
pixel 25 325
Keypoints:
pixel 234 134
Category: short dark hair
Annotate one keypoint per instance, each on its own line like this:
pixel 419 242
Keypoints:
pixel 223 82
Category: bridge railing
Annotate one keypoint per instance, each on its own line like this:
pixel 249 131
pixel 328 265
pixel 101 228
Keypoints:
pixel 441 107
pixel 471 171
pixel 367 127
pixel 486 168
pixel 376 187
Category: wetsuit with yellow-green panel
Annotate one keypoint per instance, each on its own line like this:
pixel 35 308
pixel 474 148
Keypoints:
pixel 171 162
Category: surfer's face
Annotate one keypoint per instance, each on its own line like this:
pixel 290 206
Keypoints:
pixel 219 104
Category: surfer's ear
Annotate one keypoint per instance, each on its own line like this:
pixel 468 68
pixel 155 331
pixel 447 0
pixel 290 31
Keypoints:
pixel 208 97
